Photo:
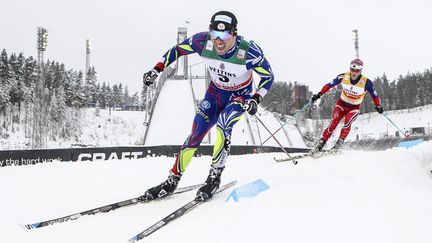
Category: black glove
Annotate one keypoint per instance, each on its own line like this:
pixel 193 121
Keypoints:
pixel 315 97
pixel 379 109
pixel 252 106
pixel 150 76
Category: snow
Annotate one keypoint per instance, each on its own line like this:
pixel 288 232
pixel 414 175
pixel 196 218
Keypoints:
pixel 358 196
pixel 109 128
pixel 288 136
pixel 120 128
pixel 375 126
pixel 174 114
pixel 381 196
pixel 199 86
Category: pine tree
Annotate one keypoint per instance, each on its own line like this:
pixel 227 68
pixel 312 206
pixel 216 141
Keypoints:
pixel 393 94
pixel 126 100
pixel 387 96
pixel 90 87
pixel 110 97
pixel 57 113
pixel 97 95
pixel 119 96
pixel 18 79
pixel 17 82
pixel 103 96
pixel 135 99
pixel 400 93
pixel 48 79
pixel 278 99
pixel 116 96
pixel 421 89
pixel 5 75
pixel 412 90
pixel 428 80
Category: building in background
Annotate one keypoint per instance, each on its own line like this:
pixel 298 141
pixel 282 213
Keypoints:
pixel 300 95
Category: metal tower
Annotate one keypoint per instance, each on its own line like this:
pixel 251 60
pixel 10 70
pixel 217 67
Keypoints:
pixel 182 62
pixel 356 42
pixel 87 67
pixel 39 107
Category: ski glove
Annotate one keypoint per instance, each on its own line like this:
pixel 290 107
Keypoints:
pixel 379 109
pixel 252 105
pixel 150 77
pixel 315 97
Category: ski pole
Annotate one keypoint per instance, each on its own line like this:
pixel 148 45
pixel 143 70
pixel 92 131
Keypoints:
pixel 295 114
pixel 280 145
pixel 394 124
pixel 147 107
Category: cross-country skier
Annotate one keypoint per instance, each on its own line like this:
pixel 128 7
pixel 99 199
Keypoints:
pixel 354 87
pixel 231 60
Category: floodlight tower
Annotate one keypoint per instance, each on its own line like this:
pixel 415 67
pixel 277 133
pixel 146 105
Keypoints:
pixel 39 106
pixel 356 42
pixel 87 67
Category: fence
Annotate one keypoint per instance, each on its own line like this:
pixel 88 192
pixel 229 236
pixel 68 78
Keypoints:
pixel 29 157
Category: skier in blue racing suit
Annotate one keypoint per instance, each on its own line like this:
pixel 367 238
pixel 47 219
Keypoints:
pixel 231 60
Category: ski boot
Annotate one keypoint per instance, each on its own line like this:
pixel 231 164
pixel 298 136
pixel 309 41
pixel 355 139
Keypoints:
pixel 211 185
pixel 165 188
pixel 320 146
pixel 338 144
pixel 314 152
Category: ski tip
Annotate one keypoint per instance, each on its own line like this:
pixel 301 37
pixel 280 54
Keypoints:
pixel 133 239
pixel 30 226
pixel 26 226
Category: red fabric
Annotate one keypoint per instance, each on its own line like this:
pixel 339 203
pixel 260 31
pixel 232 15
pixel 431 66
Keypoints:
pixel 174 168
pixel 376 101
pixel 325 88
pixel 159 66
pixel 341 110
pixel 238 86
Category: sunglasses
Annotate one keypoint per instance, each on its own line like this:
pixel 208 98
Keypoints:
pixel 355 70
pixel 223 35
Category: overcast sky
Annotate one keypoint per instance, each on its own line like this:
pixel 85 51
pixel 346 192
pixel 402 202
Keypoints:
pixel 306 41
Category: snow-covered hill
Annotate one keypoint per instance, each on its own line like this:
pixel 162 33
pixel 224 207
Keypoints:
pixel 108 128
pixel 376 126
pixel 174 113
pixel 173 116
pixel 170 125
pixel 373 197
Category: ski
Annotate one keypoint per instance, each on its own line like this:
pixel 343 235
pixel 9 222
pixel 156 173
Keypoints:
pixel 102 209
pixel 175 215
pixel 313 154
